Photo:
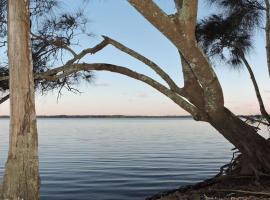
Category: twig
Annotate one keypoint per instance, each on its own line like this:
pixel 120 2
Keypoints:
pixel 243 192
pixel 2 100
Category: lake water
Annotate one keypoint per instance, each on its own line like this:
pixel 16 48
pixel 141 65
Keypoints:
pixel 122 159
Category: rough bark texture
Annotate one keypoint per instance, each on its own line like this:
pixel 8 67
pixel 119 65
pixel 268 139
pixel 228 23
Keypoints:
pixel 21 179
pixel 180 30
pixel 245 138
pixel 267 33
pixel 201 95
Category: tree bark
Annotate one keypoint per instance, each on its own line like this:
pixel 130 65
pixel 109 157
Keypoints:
pixel 21 178
pixel 257 90
pixel 180 30
pixel 245 138
pixel 267 33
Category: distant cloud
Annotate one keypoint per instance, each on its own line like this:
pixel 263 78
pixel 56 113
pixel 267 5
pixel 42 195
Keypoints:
pixel 267 91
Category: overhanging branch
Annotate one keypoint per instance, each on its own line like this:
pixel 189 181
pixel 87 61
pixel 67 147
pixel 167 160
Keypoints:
pixel 181 33
pixel 68 70
pixel 146 61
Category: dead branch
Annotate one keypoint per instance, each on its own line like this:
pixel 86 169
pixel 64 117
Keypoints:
pixel 243 192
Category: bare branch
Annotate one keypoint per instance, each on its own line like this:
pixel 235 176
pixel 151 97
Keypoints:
pixel 92 50
pixel 146 61
pixel 192 89
pixel 56 42
pixel 251 119
pixel 257 90
pixel 4 78
pixel 267 32
pixel 67 70
pixel 153 14
pixel 3 99
pixel 182 34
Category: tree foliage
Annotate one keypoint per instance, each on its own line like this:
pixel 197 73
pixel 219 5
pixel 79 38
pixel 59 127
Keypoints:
pixel 229 34
pixel 52 32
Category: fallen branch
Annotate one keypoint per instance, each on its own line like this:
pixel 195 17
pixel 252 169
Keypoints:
pixel 243 192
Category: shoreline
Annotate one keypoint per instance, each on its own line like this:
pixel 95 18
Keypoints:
pixel 220 188
pixel 119 116
pixel 107 116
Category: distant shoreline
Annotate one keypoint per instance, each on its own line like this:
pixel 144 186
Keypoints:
pixel 117 116
pixel 104 116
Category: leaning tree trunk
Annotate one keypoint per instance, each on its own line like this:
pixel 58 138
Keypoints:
pixel 21 178
pixel 257 90
pixel 245 138
pixel 267 33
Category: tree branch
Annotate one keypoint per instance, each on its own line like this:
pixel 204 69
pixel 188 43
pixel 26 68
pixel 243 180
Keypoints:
pixel 192 88
pixel 3 99
pixel 121 47
pixel 92 50
pixel 4 78
pixel 146 61
pixel 76 58
pixel 182 34
pixel 68 70
pixel 257 90
pixel 56 42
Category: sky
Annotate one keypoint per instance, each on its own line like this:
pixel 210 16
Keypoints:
pixel 114 94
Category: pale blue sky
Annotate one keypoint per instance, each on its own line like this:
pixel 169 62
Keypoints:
pixel 116 94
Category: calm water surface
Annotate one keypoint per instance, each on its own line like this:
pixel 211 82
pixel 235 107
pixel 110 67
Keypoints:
pixel 122 159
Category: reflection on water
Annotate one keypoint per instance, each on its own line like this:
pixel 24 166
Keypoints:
pixel 120 159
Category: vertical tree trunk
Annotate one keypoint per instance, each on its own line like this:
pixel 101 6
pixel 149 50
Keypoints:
pixel 21 178
pixel 267 33
pixel 257 90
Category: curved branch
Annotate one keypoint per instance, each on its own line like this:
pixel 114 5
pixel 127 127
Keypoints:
pixel 181 33
pixel 56 42
pixel 84 52
pixel 3 99
pixel 257 90
pixel 68 70
pixel 146 61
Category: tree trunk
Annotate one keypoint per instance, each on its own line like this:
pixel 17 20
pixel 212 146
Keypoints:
pixel 21 178
pixel 257 91
pixel 245 138
pixel 267 33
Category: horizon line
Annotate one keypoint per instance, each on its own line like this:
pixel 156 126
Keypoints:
pixel 117 116
pixel 107 116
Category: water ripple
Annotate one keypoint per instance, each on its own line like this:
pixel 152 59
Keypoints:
pixel 119 159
